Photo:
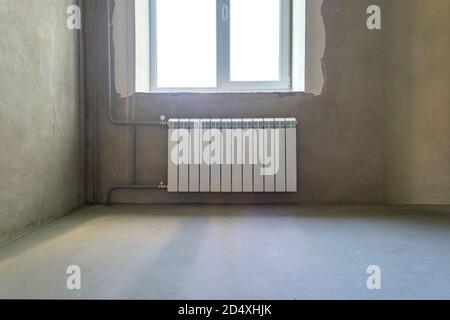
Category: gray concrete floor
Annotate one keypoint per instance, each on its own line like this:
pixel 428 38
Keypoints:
pixel 239 252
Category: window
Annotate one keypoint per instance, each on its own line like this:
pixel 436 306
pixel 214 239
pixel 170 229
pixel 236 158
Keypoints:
pixel 219 45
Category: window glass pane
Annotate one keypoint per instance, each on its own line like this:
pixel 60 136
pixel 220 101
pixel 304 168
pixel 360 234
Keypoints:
pixel 255 40
pixel 186 43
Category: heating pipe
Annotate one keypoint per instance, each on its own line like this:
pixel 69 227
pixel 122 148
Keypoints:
pixel 134 125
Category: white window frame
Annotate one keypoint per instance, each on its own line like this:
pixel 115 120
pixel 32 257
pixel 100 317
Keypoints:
pixel 224 84
pixel 285 57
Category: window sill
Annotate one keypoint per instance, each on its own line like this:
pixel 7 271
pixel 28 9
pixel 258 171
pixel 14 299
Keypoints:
pixel 215 91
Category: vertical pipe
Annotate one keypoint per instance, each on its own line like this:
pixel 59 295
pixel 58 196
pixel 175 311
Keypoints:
pixel 82 105
pixel 135 129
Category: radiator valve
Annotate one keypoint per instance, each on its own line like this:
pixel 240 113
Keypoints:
pixel 162 186
pixel 163 120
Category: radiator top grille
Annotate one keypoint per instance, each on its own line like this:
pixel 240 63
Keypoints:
pixel 245 123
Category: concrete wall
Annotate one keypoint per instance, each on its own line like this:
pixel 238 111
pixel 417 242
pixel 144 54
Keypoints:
pixel 40 169
pixel 341 133
pixel 350 136
pixel 418 101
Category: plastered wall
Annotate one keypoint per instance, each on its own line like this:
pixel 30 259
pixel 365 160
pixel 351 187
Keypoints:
pixel 418 101
pixel 341 132
pixel 40 162
pixel 354 139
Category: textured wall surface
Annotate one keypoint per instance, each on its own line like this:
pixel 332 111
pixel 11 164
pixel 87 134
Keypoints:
pixel 418 101
pixel 341 132
pixel 356 140
pixel 39 114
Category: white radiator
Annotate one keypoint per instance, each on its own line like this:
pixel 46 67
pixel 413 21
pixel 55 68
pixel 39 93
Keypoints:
pixel 232 155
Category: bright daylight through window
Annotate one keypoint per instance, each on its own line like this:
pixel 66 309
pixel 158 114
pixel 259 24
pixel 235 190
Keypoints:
pixel 220 45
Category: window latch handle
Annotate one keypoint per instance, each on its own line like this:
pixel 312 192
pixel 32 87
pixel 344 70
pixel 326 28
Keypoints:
pixel 225 12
